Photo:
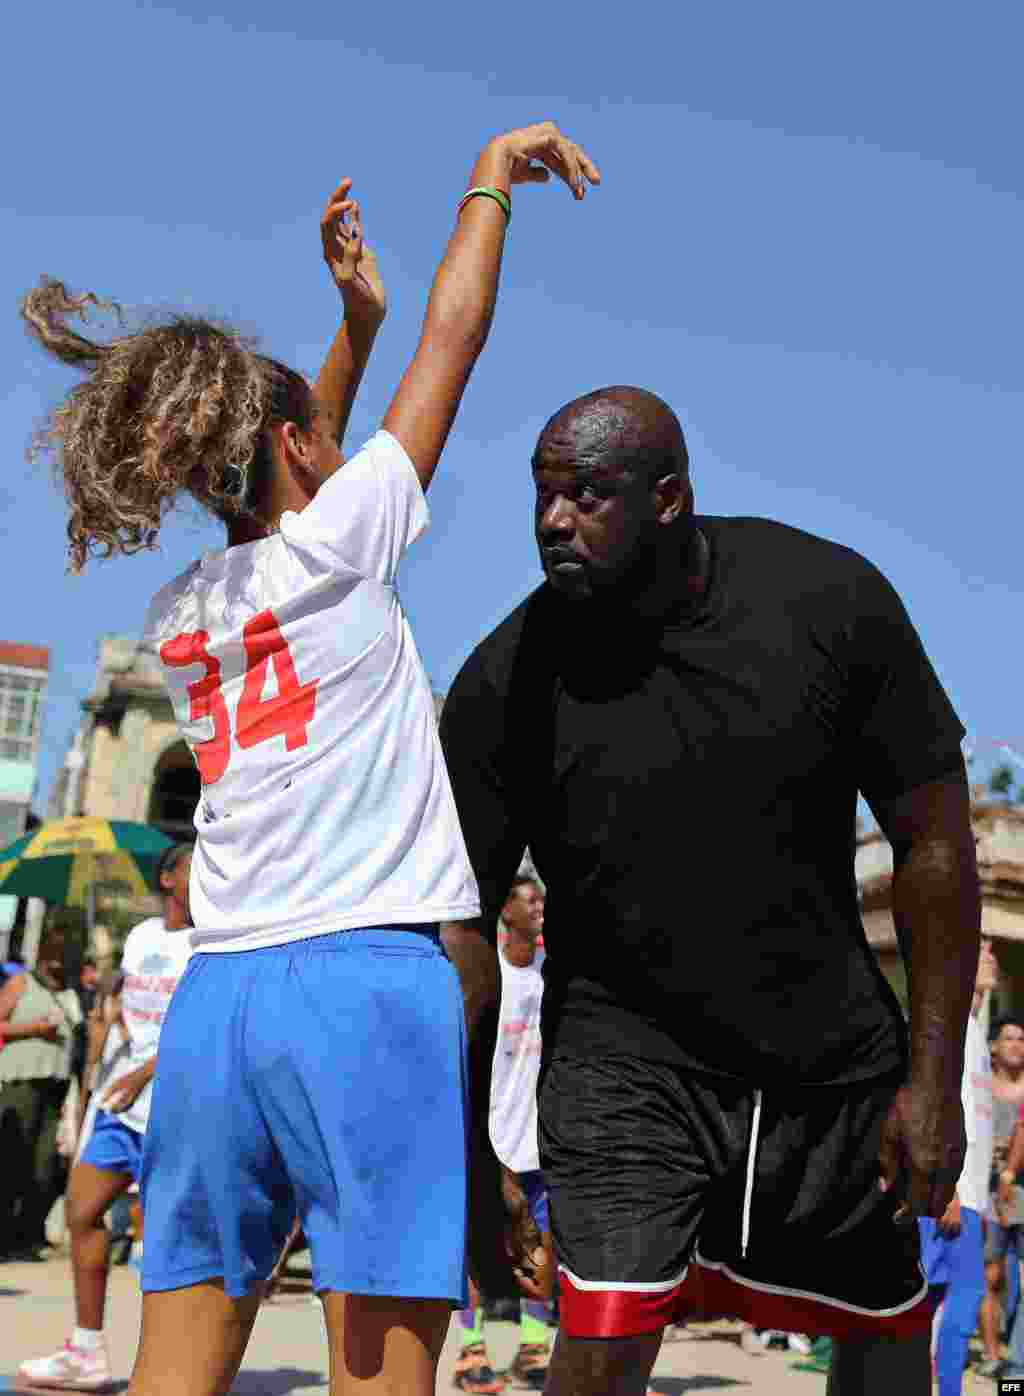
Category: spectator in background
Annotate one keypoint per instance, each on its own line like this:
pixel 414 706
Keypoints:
pixel 513 1130
pixel 953 1248
pixel 88 985
pixel 1009 1199
pixel 38 1018
pixel 1003 1235
pixel 154 958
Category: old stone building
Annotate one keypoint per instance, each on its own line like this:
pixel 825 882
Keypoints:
pixel 999 838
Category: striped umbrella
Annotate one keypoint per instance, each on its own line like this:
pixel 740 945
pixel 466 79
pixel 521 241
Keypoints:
pixel 63 860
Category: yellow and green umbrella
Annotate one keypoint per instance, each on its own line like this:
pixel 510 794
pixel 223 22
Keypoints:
pixel 65 858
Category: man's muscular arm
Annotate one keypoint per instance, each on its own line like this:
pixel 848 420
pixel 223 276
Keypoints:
pixel 476 960
pixel 937 913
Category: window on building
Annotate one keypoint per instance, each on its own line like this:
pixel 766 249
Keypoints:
pixel 21 711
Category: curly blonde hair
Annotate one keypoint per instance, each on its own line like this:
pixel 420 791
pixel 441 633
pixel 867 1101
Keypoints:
pixel 182 405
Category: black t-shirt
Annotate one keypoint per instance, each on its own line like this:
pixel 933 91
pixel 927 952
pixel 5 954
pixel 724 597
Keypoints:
pixel 688 793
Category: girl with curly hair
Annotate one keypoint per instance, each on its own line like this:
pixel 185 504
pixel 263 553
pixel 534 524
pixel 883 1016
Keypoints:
pixel 313 1059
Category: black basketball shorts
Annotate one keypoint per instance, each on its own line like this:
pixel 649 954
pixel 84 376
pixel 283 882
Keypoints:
pixel 674 1196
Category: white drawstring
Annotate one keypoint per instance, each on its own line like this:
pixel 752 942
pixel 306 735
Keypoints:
pixel 755 1125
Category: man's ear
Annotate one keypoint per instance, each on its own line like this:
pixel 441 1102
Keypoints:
pixel 673 498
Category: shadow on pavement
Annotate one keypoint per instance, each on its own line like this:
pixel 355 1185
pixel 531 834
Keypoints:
pixel 679 1386
pixel 16 1384
pixel 12 1293
pixel 277 1382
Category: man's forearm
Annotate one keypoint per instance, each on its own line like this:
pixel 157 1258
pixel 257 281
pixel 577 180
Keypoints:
pixel 937 912
pixel 476 961
pixel 342 372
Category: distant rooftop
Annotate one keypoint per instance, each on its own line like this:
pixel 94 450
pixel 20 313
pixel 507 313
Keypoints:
pixel 24 656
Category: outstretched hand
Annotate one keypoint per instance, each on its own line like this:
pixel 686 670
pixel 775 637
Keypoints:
pixel 535 153
pixel 352 264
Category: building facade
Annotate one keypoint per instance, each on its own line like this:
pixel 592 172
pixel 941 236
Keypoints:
pixel 24 671
pixel 999 840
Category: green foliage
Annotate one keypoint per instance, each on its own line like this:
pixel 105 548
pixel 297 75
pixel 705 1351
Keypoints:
pixel 1001 781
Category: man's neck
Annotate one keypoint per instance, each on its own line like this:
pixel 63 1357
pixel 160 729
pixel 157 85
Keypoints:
pixel 680 583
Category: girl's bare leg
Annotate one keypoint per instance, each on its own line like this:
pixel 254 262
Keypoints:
pixel 379 1347
pixel 192 1341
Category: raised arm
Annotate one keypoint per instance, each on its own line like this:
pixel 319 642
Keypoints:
pixel 462 298
pixel 354 268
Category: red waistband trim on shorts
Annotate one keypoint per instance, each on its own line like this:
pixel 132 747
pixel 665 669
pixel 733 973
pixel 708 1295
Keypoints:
pixel 708 1292
pixel 614 1313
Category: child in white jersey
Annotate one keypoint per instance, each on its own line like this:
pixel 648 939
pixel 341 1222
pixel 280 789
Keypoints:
pixel 153 960
pixel 314 1056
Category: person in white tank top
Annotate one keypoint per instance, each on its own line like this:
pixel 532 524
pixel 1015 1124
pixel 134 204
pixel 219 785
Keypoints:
pixel 328 843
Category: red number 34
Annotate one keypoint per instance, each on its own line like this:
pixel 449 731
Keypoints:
pixel 287 714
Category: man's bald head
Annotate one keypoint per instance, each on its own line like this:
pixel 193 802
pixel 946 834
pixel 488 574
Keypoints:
pixel 614 508
pixel 628 428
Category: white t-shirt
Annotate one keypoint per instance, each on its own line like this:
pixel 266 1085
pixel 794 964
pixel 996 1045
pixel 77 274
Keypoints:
pixel 972 1189
pixel 295 680
pixel 513 1113
pixel 153 961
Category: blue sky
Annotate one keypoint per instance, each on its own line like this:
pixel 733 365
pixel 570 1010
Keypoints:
pixel 808 240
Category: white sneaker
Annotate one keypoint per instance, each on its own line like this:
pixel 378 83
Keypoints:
pixel 798 1342
pixel 71 1369
pixel 678 1333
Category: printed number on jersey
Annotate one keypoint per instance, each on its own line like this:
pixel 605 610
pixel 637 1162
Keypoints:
pixel 286 714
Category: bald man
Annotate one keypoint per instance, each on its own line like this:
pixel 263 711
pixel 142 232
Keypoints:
pixel 732 1116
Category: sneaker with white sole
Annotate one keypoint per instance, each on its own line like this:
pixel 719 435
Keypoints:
pixel 71 1369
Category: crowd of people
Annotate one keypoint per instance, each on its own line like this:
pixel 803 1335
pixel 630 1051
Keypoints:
pixel 761 1152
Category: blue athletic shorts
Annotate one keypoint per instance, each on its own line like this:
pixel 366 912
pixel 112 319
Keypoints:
pixel 536 1194
pixel 325 1078
pixel 113 1146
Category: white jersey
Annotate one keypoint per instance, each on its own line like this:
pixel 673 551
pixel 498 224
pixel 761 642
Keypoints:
pixel 972 1189
pixel 295 680
pixel 152 962
pixel 513 1112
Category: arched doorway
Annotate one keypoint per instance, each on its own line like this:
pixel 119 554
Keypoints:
pixel 175 794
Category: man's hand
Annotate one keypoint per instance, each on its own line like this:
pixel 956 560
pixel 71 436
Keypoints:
pixel 524 1245
pixel 125 1092
pixel 352 264
pixel 46 1028
pixel 922 1149
pixel 507 1258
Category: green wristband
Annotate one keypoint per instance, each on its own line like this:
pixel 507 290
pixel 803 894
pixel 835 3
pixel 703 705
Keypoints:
pixel 502 200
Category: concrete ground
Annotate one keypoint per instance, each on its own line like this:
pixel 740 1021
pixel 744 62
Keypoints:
pixel 288 1354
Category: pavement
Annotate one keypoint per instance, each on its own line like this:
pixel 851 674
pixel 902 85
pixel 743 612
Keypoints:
pixel 288 1353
